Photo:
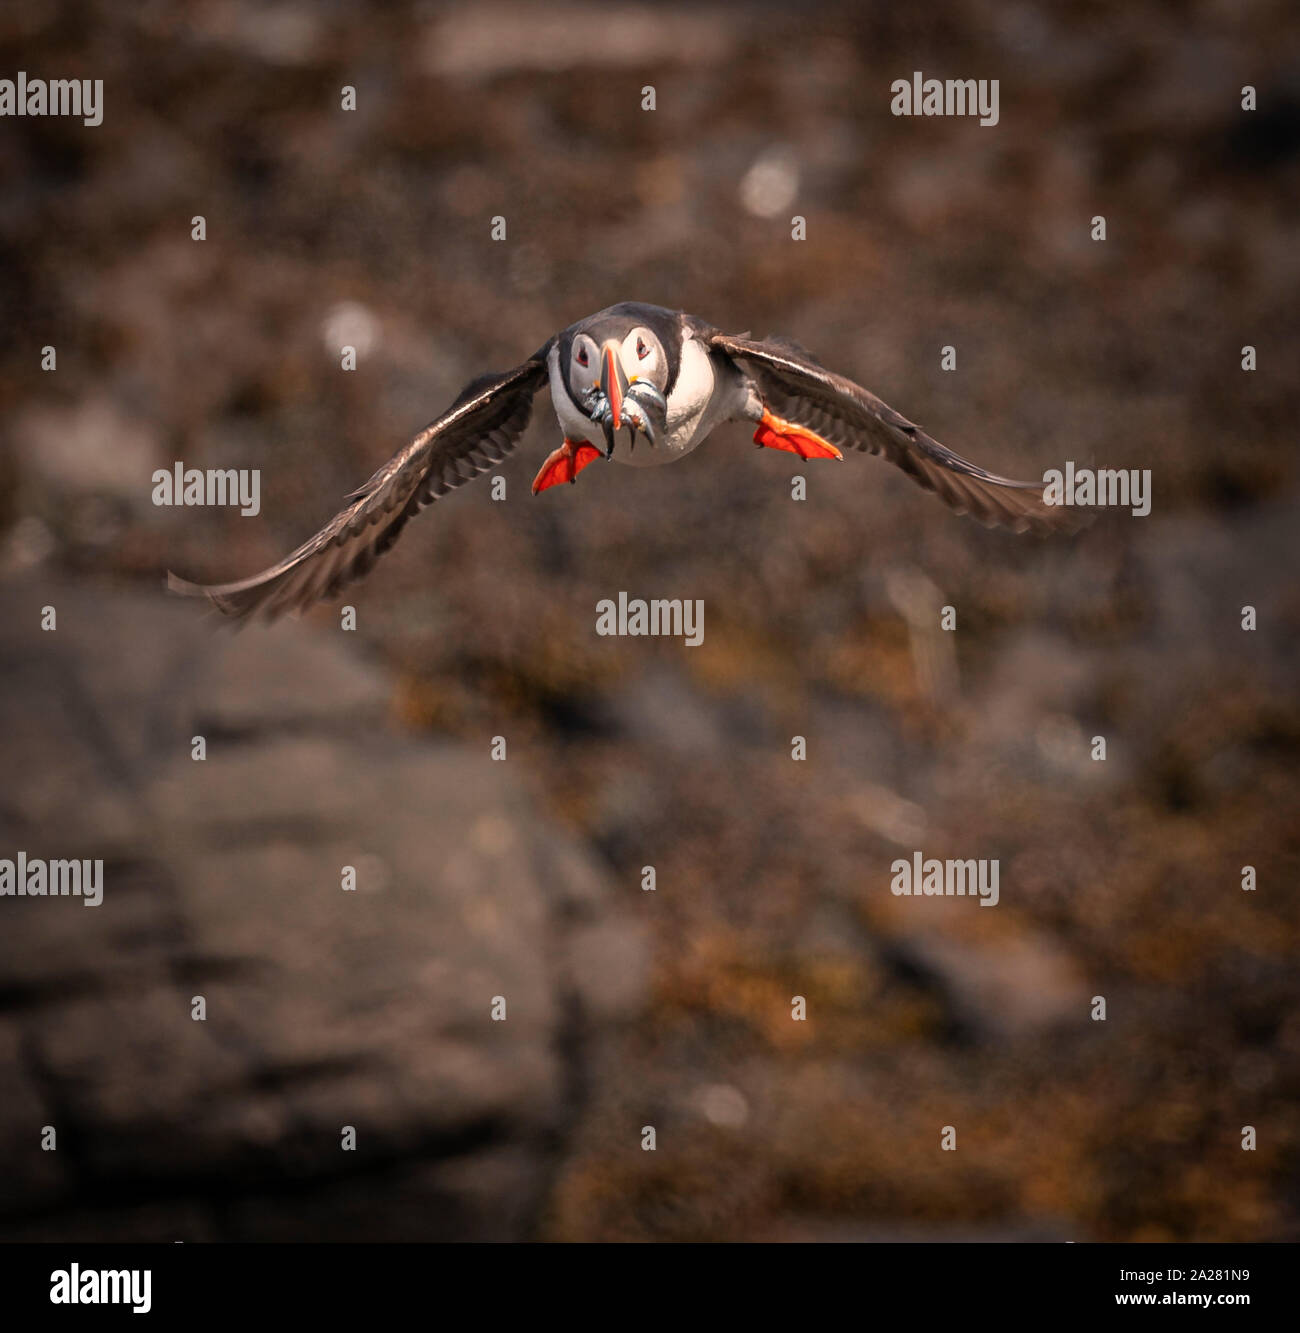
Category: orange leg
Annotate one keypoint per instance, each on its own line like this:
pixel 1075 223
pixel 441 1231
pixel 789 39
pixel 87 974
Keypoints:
pixel 565 463
pixel 778 433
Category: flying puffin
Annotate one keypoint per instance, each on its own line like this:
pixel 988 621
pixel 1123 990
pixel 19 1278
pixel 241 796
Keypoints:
pixel 661 374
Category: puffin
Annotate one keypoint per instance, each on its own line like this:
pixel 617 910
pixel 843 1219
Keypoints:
pixel 665 378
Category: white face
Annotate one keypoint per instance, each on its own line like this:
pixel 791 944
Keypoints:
pixel 640 353
pixel 584 364
pixel 643 358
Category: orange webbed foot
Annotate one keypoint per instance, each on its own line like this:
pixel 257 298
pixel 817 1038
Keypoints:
pixel 565 464
pixel 777 433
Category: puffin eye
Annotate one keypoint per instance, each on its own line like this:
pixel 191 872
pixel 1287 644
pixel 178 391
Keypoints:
pixel 582 356
pixel 642 350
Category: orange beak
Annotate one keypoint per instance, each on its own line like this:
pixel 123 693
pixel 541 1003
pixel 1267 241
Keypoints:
pixel 613 382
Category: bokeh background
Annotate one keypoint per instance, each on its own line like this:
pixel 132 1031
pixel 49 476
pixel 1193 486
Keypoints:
pixel 669 1008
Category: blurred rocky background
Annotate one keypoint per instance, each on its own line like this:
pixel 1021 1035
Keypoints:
pixel 669 1008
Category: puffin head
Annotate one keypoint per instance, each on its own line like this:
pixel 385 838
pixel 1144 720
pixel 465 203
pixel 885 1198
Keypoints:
pixel 619 370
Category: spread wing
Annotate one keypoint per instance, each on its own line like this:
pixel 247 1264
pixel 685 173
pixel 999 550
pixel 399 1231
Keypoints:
pixel 479 429
pixel 796 387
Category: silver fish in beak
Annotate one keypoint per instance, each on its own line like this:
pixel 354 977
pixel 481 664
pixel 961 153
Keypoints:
pixel 636 404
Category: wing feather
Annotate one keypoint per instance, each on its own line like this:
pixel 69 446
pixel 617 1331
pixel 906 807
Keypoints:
pixel 794 385
pixel 476 433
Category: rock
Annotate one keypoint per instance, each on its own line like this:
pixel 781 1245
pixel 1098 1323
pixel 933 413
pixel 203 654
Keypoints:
pixel 489 41
pixel 1014 986
pixel 93 448
pixel 325 1008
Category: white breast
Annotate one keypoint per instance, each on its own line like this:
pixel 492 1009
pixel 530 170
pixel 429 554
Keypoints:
pixel 697 404
pixel 688 406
